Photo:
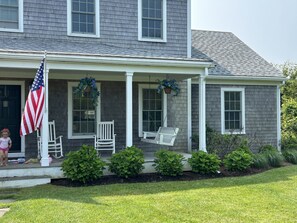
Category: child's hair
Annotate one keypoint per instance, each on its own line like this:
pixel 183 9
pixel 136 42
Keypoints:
pixel 5 130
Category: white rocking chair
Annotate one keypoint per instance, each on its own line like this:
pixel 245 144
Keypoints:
pixel 165 136
pixel 54 143
pixel 105 137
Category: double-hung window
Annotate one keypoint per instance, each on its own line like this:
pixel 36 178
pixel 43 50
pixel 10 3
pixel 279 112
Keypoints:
pixel 233 110
pixel 151 109
pixel 82 114
pixel 11 15
pixel 83 18
pixel 152 20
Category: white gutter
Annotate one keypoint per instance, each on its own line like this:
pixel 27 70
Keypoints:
pixel 247 78
pixel 119 60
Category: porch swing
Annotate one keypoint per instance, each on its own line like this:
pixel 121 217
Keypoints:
pixel 164 136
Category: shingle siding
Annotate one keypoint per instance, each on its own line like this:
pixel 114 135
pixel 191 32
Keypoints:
pixel 45 28
pixel 260 111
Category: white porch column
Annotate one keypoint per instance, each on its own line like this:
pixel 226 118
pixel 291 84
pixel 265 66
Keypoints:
pixel 278 114
pixel 129 107
pixel 44 127
pixel 202 113
pixel 189 108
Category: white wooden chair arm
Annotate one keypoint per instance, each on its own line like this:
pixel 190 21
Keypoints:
pixel 149 134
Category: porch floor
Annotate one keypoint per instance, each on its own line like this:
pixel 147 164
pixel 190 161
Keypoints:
pixel 12 164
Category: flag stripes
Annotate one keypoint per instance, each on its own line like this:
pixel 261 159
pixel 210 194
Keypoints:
pixel 34 108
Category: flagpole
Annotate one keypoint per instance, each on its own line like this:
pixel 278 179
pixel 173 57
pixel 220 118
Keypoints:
pixel 44 128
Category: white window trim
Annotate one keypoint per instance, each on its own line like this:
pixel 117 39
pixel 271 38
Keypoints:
pixel 97 21
pixel 234 89
pixel 70 116
pixel 140 106
pixel 21 20
pixel 140 38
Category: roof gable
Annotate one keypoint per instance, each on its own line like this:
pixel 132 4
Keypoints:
pixel 231 56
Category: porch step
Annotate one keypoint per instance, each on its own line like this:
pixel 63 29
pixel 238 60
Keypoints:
pixel 20 182
pixel 26 171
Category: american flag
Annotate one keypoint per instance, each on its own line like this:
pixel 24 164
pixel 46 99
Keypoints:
pixel 34 108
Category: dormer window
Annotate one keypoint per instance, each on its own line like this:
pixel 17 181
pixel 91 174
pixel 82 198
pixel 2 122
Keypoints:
pixel 83 18
pixel 152 20
pixel 11 15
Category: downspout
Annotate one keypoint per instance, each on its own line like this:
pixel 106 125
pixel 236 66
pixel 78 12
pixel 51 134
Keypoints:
pixel 278 115
pixel 202 111
pixel 189 81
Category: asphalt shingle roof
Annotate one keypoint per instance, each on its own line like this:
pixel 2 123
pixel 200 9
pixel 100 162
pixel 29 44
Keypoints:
pixel 230 55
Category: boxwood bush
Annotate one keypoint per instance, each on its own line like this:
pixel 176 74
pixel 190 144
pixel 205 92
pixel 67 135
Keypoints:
pixel 83 165
pixel 204 163
pixel 238 160
pixel 168 163
pixel 127 163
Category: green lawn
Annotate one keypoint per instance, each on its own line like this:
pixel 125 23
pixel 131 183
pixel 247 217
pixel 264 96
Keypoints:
pixel 267 197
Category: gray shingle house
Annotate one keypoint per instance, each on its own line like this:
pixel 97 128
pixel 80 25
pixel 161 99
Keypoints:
pixel 127 46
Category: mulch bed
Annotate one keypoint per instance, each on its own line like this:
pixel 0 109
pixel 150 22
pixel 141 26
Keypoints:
pixel 154 177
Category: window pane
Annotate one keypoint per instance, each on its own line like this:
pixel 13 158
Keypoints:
pixel 91 7
pixel 145 3
pixel 75 6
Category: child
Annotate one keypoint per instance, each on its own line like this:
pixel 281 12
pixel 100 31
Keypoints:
pixel 5 145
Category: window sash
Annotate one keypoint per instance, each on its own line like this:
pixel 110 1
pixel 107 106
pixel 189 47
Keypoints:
pixel 82 18
pixel 9 14
pixel 233 111
pixel 152 111
pixel 83 115
pixel 152 25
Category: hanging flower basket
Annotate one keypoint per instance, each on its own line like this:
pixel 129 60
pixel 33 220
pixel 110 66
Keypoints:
pixel 168 85
pixel 167 90
pixel 87 86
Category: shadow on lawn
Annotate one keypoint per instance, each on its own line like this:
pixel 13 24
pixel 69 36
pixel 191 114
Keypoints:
pixel 88 193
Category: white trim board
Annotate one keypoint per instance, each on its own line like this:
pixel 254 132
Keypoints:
pixel 97 21
pixel 164 30
pixel 140 106
pixel 22 84
pixel 20 21
pixel 70 85
pixel 242 105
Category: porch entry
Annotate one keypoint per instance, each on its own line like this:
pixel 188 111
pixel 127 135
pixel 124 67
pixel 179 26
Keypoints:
pixel 10 113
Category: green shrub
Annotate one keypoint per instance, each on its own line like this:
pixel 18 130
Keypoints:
pixel 222 144
pixel 260 161
pixel 204 163
pixel 267 148
pixel 83 165
pixel 168 163
pixel 289 143
pixel 245 149
pixel 275 159
pixel 127 163
pixel 238 160
pixel 290 156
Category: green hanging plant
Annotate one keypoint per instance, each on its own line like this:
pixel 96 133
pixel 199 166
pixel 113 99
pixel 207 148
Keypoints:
pixel 87 86
pixel 167 85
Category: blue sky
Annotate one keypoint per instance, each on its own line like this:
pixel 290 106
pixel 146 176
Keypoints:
pixel 269 27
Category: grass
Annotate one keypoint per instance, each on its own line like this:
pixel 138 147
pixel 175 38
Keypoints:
pixel 267 197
